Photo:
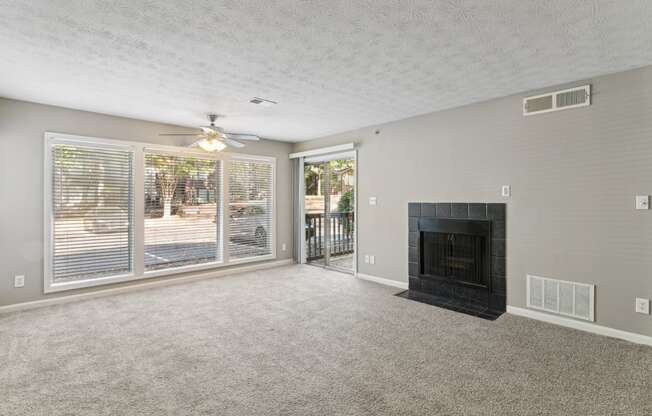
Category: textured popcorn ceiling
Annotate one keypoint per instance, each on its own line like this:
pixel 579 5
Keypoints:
pixel 332 65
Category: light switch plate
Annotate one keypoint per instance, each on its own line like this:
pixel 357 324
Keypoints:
pixel 372 200
pixel 642 201
pixel 372 260
pixel 506 191
pixel 19 281
pixel 643 306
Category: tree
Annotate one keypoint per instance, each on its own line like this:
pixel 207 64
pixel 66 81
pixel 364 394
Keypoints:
pixel 91 176
pixel 341 171
pixel 172 169
pixel 312 179
pixel 346 202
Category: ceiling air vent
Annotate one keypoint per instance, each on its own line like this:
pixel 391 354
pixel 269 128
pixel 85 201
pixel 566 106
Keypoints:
pixel 558 100
pixel 572 299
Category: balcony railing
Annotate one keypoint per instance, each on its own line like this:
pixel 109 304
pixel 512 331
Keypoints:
pixel 340 228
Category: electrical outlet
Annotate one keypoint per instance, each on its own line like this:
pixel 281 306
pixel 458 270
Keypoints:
pixel 372 260
pixel 506 191
pixel 366 258
pixel 19 280
pixel 642 202
pixel 283 247
pixel 643 306
pixel 372 200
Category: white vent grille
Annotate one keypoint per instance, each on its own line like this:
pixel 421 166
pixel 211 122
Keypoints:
pixel 561 297
pixel 557 100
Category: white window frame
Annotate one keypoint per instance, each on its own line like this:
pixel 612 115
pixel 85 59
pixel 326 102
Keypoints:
pixel 179 151
pixel 226 225
pixel 138 262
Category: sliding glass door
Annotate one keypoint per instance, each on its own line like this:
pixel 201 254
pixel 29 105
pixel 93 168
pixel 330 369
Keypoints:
pixel 329 207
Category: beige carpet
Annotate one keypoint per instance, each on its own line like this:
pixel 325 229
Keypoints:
pixel 300 340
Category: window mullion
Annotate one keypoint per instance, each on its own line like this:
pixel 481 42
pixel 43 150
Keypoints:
pixel 226 233
pixel 139 211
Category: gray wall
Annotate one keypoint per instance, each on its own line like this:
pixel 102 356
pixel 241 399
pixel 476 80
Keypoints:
pixel 574 175
pixel 22 126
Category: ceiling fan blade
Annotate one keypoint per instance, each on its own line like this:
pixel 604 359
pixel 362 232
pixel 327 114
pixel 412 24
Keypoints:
pixel 216 129
pixel 233 143
pixel 179 134
pixel 251 137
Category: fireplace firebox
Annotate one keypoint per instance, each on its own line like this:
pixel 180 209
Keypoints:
pixel 457 256
pixel 455 250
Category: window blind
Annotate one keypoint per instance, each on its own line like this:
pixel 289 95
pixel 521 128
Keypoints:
pixel 250 208
pixel 92 212
pixel 182 206
pixel 118 211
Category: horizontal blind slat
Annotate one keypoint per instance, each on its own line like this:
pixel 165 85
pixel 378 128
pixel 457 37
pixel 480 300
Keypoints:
pixel 182 206
pixel 92 200
pixel 250 208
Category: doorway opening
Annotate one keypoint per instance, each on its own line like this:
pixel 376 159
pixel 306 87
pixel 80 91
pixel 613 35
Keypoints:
pixel 329 211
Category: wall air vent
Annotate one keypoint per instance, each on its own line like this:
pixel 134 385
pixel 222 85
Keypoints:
pixel 576 300
pixel 557 100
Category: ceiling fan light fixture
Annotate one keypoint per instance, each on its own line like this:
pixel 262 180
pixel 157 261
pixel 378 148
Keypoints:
pixel 211 145
pixel 214 139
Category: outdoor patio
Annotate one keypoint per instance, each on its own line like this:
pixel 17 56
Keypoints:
pixel 342 262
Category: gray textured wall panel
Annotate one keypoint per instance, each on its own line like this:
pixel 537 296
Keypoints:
pixel 574 175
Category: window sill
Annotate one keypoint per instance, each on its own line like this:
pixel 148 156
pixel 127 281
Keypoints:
pixel 183 269
pixel 60 287
pixel 79 284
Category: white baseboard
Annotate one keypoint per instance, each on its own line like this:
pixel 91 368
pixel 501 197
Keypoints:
pixel 141 286
pixel 580 325
pixel 382 280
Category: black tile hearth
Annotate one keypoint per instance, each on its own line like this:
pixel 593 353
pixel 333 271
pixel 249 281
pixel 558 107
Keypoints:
pixel 476 310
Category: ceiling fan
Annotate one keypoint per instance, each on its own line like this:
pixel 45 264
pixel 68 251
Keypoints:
pixel 213 138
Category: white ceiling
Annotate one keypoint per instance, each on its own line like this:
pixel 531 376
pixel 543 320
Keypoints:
pixel 332 65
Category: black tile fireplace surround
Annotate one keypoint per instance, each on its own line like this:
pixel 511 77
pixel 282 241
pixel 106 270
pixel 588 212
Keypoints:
pixel 457 256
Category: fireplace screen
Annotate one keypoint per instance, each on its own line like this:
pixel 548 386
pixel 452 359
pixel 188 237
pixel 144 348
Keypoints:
pixel 454 256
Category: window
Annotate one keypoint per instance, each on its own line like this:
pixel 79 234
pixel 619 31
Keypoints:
pixel 92 212
pixel 181 211
pixel 250 208
pixel 118 211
